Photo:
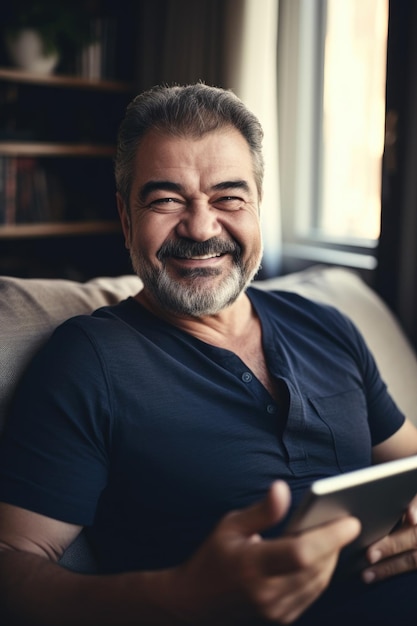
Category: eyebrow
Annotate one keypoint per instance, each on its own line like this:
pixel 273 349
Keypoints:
pixel 157 185
pixel 231 184
pixel 167 185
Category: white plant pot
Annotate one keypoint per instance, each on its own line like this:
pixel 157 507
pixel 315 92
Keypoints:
pixel 25 50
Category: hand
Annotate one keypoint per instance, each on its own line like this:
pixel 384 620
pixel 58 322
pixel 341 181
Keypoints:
pixel 396 553
pixel 236 576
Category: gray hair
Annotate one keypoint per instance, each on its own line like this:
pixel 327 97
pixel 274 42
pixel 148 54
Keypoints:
pixel 190 110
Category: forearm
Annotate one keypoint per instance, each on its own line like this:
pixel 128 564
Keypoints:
pixel 37 592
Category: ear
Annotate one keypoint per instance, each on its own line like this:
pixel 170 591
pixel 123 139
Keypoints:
pixel 124 219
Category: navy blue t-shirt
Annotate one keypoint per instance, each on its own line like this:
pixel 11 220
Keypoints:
pixel 147 436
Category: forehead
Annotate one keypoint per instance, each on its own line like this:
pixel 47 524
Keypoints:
pixel 223 152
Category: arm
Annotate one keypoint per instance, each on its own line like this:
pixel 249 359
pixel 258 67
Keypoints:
pixel 235 574
pixel 402 444
pixel 396 553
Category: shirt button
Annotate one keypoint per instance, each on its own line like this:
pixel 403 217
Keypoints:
pixel 246 377
pixel 271 409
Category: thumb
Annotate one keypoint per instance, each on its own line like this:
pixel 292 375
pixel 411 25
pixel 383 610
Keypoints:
pixel 262 514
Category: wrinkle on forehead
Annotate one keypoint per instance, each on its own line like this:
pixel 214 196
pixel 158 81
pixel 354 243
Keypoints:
pixel 187 164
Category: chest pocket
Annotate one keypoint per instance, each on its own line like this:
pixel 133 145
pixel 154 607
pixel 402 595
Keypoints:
pixel 346 417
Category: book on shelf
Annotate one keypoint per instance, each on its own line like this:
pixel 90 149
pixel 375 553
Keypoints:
pixel 28 192
pixel 9 184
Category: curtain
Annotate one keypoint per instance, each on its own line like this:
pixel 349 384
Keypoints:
pixel 396 278
pixel 180 41
pixel 227 43
pixel 251 71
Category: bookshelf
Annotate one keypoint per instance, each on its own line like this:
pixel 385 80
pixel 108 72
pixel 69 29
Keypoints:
pixel 57 195
pixel 76 82
pixel 8 148
pixel 57 229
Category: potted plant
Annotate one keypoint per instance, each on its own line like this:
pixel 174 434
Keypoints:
pixel 36 32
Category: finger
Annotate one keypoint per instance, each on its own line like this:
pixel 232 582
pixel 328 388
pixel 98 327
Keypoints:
pixel 263 514
pixel 307 549
pixel 405 562
pixel 402 540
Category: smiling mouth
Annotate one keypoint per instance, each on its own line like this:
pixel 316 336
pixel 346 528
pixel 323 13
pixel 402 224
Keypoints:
pixel 201 257
pixel 187 250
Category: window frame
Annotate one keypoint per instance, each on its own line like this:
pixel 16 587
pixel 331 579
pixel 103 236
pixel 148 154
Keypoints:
pixel 300 67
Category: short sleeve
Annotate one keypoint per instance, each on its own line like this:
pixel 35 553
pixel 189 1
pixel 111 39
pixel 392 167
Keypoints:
pixel 54 450
pixel 384 416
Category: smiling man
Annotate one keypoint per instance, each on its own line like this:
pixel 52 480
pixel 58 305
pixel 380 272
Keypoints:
pixel 180 426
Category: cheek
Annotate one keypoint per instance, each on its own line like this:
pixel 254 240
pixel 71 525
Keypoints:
pixel 149 233
pixel 246 231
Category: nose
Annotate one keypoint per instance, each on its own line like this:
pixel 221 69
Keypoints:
pixel 199 222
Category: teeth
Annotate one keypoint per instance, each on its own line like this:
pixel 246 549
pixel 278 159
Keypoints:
pixel 203 257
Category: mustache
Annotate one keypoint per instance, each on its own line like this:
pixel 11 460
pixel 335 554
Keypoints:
pixel 188 248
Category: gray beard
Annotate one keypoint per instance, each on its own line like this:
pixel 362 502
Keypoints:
pixel 192 296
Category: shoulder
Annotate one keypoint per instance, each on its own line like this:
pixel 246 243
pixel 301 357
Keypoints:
pixel 303 320
pixel 298 309
pixel 81 343
pixel 103 322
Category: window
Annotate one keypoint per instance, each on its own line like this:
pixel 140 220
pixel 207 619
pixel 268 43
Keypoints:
pixel 332 60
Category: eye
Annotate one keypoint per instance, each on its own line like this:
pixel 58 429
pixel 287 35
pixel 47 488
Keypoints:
pixel 229 203
pixel 165 205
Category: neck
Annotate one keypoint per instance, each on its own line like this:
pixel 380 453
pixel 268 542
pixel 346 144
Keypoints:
pixel 230 323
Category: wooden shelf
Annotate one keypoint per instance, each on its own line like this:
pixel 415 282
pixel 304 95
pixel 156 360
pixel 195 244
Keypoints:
pixel 58 229
pixel 29 148
pixel 57 146
pixel 60 80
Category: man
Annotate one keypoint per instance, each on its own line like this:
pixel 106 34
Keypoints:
pixel 174 425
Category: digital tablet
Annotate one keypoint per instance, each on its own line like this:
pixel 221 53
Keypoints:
pixel 378 496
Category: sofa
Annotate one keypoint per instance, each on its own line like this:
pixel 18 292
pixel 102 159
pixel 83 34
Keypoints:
pixel 30 309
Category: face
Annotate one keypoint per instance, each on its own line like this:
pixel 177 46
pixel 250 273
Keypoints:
pixel 192 227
